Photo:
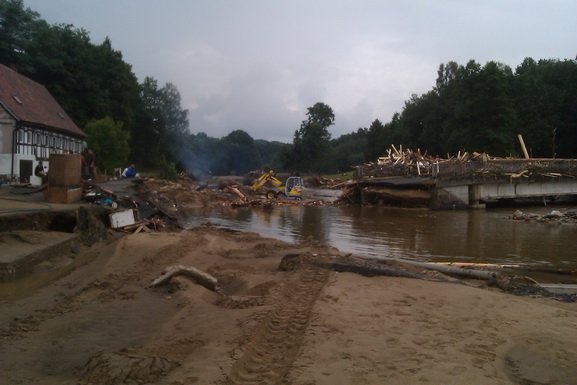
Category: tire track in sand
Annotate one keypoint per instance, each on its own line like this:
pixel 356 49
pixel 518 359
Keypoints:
pixel 271 352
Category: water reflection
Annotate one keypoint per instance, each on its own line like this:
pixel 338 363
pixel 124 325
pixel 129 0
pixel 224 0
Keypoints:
pixel 479 235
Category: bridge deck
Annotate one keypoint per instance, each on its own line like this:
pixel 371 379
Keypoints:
pixel 458 184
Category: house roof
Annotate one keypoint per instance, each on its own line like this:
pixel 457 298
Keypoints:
pixel 31 104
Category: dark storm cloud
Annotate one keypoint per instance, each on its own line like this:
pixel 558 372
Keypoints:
pixel 257 65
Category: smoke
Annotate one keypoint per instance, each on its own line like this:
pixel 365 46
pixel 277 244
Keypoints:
pixel 197 165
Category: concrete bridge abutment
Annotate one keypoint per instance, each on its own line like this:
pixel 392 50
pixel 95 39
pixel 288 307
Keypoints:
pixel 476 195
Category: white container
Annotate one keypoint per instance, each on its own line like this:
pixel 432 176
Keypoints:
pixel 121 218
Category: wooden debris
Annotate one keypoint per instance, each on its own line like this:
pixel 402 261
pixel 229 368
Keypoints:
pixel 199 276
pixel 517 175
pixel 476 265
pixel 236 191
pixel 523 147
pixel 453 270
pixel 144 225
pixel 399 162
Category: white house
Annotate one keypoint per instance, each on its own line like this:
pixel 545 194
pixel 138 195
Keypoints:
pixel 32 126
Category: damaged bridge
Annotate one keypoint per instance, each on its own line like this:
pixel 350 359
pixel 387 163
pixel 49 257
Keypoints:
pixel 460 183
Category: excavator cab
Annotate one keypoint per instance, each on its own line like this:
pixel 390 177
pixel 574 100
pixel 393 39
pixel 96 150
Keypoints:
pixel 294 187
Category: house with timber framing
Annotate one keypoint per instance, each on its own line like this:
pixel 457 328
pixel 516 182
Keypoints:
pixel 32 126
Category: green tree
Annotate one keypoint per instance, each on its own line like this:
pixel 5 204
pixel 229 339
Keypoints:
pixel 175 120
pixel 271 154
pixel 109 142
pixel 162 125
pixel 17 28
pixel 346 151
pixel 240 154
pixel 546 105
pixel 313 137
pixel 376 136
pixel 475 110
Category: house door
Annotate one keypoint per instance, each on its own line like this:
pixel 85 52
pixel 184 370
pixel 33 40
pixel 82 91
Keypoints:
pixel 25 170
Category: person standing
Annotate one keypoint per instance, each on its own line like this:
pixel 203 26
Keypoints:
pixel 88 164
pixel 40 172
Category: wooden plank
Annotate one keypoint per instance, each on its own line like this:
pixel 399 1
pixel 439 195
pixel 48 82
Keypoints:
pixel 522 142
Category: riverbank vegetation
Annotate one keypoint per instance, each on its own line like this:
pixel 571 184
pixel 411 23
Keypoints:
pixel 470 107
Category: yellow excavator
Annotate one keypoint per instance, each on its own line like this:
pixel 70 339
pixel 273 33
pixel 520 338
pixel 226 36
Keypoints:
pixel 274 188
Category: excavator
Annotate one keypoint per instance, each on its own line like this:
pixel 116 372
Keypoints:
pixel 274 188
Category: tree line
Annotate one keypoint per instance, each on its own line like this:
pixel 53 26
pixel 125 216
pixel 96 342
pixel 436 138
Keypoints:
pixel 476 108
pixel 484 108
pixel 469 108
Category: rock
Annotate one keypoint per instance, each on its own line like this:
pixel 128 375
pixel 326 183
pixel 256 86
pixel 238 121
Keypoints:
pixel 518 215
pixel 554 214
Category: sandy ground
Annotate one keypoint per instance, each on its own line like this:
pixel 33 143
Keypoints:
pixel 101 324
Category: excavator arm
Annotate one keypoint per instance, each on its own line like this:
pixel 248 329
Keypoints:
pixel 264 179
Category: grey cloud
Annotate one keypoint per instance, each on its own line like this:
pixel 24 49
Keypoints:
pixel 257 65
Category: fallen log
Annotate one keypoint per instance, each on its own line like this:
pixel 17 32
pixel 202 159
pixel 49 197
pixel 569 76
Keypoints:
pixel 509 267
pixel 513 284
pixel 199 276
pixel 453 270
pixel 370 268
pixel 477 265
pixel 398 267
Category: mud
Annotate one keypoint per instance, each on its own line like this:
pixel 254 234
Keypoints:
pixel 283 315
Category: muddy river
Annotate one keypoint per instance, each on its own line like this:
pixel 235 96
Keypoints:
pixel 487 236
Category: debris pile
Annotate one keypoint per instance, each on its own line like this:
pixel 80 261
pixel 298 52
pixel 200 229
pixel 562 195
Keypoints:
pixel 160 204
pixel 555 216
pixel 412 163
pixel 127 211
pixel 409 162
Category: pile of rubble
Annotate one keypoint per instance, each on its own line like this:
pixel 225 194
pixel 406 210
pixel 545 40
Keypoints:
pixel 412 163
pixel 158 204
pixel 555 216
pixel 409 162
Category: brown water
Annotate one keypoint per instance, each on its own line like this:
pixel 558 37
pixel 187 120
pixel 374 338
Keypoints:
pixel 486 236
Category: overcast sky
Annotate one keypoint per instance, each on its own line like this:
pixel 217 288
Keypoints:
pixel 257 65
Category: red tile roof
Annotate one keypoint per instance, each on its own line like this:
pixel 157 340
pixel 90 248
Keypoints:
pixel 30 103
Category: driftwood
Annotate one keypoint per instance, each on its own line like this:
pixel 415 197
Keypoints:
pixel 370 267
pixel 453 270
pixel 510 283
pixel 476 265
pixel 199 276
pixel 509 267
